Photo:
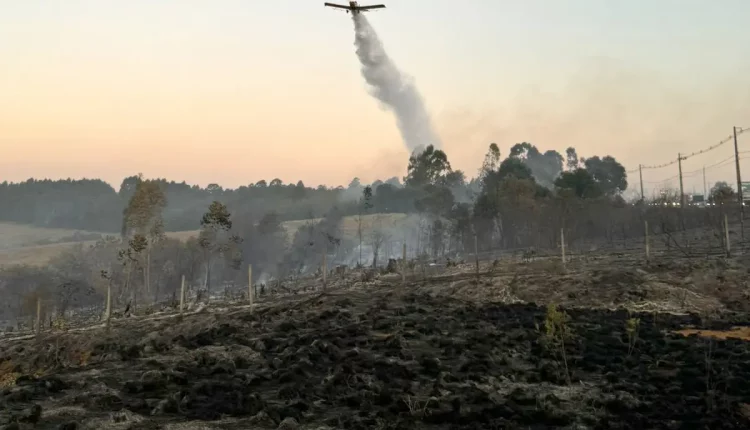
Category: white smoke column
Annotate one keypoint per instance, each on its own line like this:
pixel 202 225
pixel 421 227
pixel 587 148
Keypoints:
pixel 396 91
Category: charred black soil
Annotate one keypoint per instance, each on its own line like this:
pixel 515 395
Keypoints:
pixel 379 359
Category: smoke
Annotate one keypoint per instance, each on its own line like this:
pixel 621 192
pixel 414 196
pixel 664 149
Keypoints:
pixel 395 91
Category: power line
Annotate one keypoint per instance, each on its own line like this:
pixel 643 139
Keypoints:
pixel 693 154
pixel 695 172
pixel 710 166
pixel 721 163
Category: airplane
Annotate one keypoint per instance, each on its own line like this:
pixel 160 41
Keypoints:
pixel 354 7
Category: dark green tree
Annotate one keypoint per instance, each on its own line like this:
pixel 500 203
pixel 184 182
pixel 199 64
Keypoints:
pixel 215 238
pixel 580 182
pixel 571 159
pixel 722 193
pixel 608 173
pixel 427 167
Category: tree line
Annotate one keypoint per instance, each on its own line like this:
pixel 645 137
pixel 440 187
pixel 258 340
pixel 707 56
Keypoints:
pixel 520 201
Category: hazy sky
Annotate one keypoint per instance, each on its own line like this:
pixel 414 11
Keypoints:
pixel 234 91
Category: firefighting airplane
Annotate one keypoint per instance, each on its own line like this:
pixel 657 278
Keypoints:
pixel 354 7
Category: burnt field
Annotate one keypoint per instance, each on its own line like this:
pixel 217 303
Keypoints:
pixel 380 356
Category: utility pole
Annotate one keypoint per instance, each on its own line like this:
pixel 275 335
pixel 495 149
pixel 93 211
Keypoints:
pixel 682 193
pixel 739 185
pixel 640 173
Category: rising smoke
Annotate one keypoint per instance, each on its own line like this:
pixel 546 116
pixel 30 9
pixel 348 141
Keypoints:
pixel 395 91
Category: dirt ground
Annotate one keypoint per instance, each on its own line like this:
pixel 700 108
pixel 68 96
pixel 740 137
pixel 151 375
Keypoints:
pixel 449 352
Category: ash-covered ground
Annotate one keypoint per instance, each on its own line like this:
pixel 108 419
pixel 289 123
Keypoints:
pixel 446 352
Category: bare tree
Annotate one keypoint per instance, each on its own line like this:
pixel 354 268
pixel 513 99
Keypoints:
pixel 142 218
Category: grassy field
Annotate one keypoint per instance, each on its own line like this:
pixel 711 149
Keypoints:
pixel 349 225
pixel 19 235
pixel 24 244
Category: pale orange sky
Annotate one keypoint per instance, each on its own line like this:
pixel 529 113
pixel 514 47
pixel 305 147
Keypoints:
pixel 236 92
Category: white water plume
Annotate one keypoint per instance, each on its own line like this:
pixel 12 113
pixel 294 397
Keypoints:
pixel 396 91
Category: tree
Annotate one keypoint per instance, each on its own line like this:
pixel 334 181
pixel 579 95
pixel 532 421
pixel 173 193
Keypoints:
pixel 215 238
pixel 73 278
pixel 523 150
pixel 461 228
pixel 263 244
pixel 491 161
pixel 545 167
pixel 608 174
pixel 513 167
pixel 722 193
pixel 571 158
pixel 580 182
pixel 142 222
pixel 437 238
pixel 435 201
pixel 426 167
pixel 365 205
pixel 355 184
pixel 214 189
pixel 454 179
pixel 299 191
pixel 311 241
pixel 130 258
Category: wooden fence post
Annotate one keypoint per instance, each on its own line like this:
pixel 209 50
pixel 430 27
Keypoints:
pixel 38 314
pixel 250 295
pixel 476 255
pixel 108 314
pixel 182 294
pixel 325 268
pixel 562 245
pixel 403 265
pixel 726 235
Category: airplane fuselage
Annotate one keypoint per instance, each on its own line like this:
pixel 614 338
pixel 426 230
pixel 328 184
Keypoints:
pixel 354 7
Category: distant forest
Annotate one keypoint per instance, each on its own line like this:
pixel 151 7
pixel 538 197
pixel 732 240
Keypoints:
pixel 92 204
pixel 503 188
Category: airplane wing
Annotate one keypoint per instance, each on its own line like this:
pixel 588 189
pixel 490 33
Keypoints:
pixel 375 6
pixel 340 6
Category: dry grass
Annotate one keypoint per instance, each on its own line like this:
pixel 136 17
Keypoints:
pixel 19 235
pixel 742 333
pixel 8 374
pixel 20 244
pixel 35 255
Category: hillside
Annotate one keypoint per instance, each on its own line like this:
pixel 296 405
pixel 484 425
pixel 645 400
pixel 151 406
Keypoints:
pixel 24 244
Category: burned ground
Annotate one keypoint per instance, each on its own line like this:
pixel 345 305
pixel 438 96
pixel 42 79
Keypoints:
pixel 380 357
